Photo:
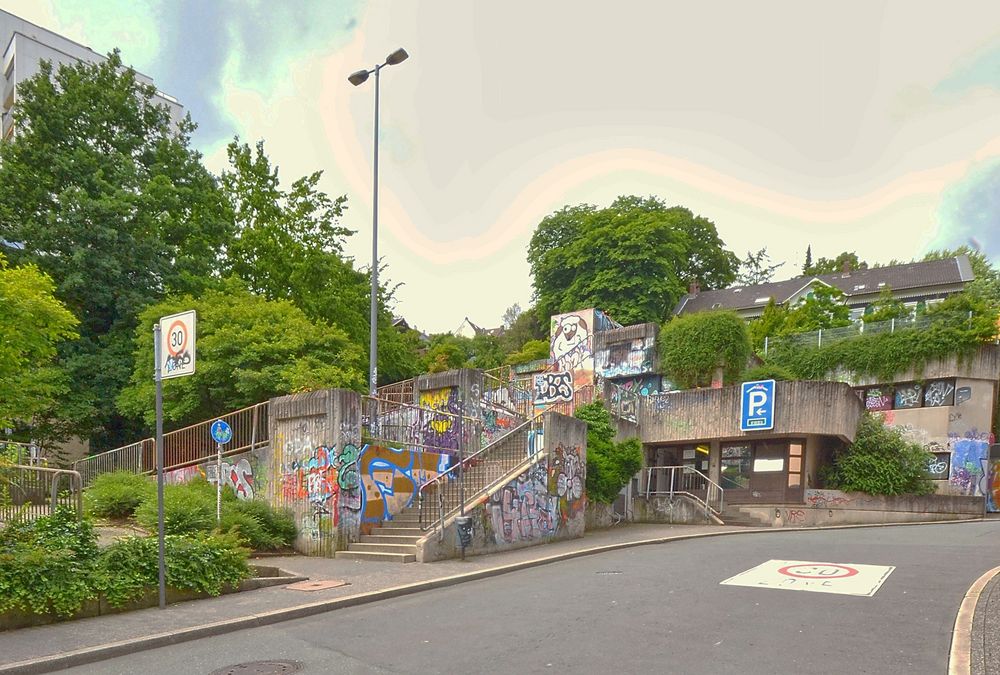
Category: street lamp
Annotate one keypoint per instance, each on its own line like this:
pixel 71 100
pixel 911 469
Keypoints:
pixel 356 79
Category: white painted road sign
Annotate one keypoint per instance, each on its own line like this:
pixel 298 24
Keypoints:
pixel 757 406
pixel 818 577
pixel 177 337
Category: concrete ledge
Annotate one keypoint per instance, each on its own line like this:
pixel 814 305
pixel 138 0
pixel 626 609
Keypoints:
pixel 114 649
pixel 960 656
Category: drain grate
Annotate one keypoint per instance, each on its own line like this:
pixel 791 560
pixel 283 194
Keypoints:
pixel 609 572
pixel 260 668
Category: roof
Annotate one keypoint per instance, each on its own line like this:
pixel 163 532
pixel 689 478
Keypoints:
pixel 911 276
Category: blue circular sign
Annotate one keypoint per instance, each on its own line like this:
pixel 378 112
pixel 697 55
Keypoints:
pixel 221 431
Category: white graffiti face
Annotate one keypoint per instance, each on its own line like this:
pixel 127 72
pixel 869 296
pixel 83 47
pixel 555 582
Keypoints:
pixel 571 344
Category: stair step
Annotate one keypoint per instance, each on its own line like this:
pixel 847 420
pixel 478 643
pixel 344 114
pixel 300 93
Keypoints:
pixel 398 531
pixel 373 556
pixel 382 548
pixel 378 538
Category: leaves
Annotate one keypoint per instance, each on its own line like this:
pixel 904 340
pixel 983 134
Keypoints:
pixel 881 461
pixel 610 465
pixel 693 346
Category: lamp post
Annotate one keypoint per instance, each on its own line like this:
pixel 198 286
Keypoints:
pixel 356 79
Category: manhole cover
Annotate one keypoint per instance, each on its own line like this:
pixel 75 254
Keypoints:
pixel 610 572
pixel 260 668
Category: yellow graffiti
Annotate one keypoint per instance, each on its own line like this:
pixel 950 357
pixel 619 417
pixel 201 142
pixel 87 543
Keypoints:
pixel 436 399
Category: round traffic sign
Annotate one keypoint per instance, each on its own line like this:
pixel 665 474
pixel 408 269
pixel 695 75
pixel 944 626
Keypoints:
pixel 221 431
pixel 818 571
pixel 177 338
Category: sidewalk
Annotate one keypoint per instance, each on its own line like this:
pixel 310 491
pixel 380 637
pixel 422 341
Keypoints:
pixel 985 656
pixel 362 576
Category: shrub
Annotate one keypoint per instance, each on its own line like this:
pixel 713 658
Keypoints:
pixel 276 526
pixel 767 371
pixel 201 563
pixel 694 345
pixel 186 508
pixel 118 494
pixel 610 465
pixel 881 461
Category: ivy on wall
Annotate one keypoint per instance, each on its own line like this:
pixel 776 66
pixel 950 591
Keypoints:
pixel 693 346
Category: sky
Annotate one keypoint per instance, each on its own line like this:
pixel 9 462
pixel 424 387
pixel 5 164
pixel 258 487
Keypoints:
pixel 860 125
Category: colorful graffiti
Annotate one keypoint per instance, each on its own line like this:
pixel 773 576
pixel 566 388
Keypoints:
pixel 523 509
pixel 567 477
pixel 238 476
pixel 968 463
pixel 993 485
pixel 326 479
pixel 571 346
pixel 631 357
pixel 391 478
pixel 441 430
pixel 496 424
pixel 553 387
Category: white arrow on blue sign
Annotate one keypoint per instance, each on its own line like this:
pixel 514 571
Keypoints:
pixel 757 406
pixel 221 431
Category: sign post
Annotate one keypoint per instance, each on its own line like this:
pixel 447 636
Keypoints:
pixel 173 351
pixel 222 433
pixel 757 406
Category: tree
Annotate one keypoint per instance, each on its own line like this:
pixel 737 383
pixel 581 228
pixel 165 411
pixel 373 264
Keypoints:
pixel 881 461
pixel 756 269
pixel 694 346
pixel 986 285
pixel 446 352
pixel 510 315
pixel 823 307
pixel 828 266
pixel 288 244
pixel 249 349
pixel 610 465
pixel 526 328
pixel 886 307
pixel 108 198
pixel 32 323
pixel 770 324
pixel 632 259
pixel 809 260
pixel 532 350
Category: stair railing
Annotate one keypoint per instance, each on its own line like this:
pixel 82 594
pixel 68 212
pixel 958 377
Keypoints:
pixel 685 480
pixel 449 491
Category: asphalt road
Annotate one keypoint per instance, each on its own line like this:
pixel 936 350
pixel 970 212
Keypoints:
pixel 647 609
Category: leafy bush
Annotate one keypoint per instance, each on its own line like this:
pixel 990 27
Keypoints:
pixel 881 461
pixel 47 565
pixel 202 563
pixel 259 524
pixel 767 371
pixel 187 508
pixel 694 345
pixel 118 494
pixel 610 465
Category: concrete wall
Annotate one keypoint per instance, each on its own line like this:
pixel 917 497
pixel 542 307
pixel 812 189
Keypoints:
pixel 800 408
pixel 834 507
pixel 545 502
pixel 626 352
pixel 679 510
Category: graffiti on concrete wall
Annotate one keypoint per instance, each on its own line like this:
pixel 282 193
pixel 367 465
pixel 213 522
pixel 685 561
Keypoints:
pixel 908 396
pixel 962 394
pixel 391 478
pixel 183 475
pixel 523 509
pixel 567 477
pixel 571 346
pixel 553 387
pixel 939 393
pixel 440 430
pixel 642 386
pixel 968 463
pixel 238 476
pixel 496 424
pixel 878 398
pixel 327 479
pixel 630 357
pixel 992 490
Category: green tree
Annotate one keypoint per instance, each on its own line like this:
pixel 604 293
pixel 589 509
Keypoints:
pixel 881 461
pixel 986 285
pixel 109 199
pixel 32 323
pixel 249 349
pixel 886 307
pixel 756 268
pixel 288 244
pixel 532 350
pixel 823 307
pixel 446 352
pixel 527 327
pixel 830 266
pixel 632 259
pixel 610 465
pixel 693 346
pixel 770 324
pixel 809 260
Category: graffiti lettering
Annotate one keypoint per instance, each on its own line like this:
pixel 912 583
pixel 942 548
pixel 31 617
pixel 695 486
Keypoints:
pixel 908 396
pixel 523 509
pixel 553 387
pixel 938 393
pixel 566 480
pixel 391 478
pixel 439 429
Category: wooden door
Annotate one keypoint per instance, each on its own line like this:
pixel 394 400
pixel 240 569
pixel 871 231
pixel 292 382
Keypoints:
pixel 769 472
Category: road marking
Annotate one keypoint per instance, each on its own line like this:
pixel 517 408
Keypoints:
pixel 817 577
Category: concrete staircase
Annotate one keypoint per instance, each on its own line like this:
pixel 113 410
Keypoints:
pixel 396 540
pixel 732 514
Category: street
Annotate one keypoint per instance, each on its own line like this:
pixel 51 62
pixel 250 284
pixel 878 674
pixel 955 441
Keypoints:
pixel 646 609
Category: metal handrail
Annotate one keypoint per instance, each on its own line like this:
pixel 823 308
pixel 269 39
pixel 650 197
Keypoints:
pixel 37 487
pixel 416 426
pixel 690 483
pixel 495 470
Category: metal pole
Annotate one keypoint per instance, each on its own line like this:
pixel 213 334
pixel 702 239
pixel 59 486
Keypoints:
pixel 218 482
pixel 157 375
pixel 373 320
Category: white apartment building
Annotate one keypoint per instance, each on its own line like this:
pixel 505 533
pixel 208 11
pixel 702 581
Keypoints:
pixel 25 45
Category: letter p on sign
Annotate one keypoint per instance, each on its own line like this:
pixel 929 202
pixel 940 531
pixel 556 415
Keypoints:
pixel 757 406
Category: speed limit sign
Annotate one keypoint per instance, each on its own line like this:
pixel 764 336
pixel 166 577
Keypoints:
pixel 177 345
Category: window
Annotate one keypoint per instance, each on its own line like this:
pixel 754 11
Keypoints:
pixel 760 301
pixel 736 466
pixel 859 287
pixel 795 450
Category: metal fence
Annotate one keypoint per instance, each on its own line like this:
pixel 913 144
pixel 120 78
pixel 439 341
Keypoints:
pixel 399 392
pixel 828 336
pixel 33 491
pixel 668 481
pixel 128 458
pixel 22 453
pixel 416 426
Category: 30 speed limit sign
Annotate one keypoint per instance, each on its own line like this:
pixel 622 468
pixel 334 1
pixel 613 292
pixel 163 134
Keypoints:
pixel 177 333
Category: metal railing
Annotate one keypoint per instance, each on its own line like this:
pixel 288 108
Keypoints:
pixel 622 402
pixel 417 426
pixel 688 481
pixel 183 447
pixel 439 498
pixel 399 392
pixel 33 491
pixel 22 453
pixel 508 394
pixel 828 336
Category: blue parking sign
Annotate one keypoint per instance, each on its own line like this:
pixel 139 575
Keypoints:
pixel 757 406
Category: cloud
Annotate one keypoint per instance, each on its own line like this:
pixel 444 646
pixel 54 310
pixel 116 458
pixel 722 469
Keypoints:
pixel 970 211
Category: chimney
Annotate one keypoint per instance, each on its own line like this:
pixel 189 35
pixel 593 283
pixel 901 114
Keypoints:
pixel 847 267
pixel 694 288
